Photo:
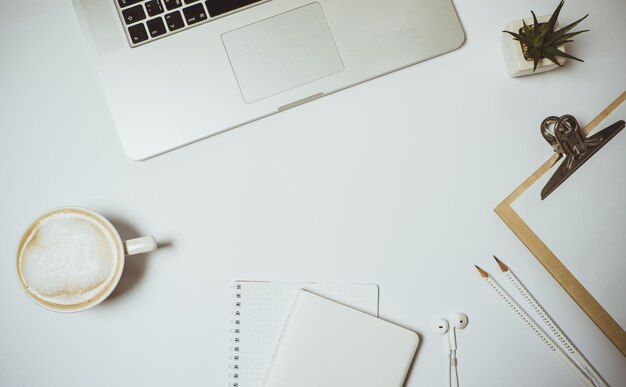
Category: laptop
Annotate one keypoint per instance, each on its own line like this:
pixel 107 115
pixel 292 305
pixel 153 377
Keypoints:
pixel 176 71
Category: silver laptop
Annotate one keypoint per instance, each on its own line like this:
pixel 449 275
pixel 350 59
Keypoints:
pixel 176 71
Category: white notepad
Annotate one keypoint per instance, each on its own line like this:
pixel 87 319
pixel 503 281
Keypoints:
pixel 260 310
pixel 326 344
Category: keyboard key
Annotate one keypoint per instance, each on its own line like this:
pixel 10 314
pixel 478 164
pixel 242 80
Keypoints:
pixel 126 3
pixel 156 27
pixel 171 4
pixel 134 14
pixel 195 13
pixel 174 21
pixel 218 7
pixel 138 33
pixel 154 7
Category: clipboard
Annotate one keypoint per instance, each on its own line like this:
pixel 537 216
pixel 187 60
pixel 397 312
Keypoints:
pixel 587 302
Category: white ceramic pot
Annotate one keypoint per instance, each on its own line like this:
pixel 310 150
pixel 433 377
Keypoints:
pixel 516 64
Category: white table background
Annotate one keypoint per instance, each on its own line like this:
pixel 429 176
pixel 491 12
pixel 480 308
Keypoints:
pixel 392 182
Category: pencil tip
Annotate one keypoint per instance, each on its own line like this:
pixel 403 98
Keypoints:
pixel 483 273
pixel 503 267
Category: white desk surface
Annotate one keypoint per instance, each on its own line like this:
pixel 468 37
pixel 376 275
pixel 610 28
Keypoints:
pixel 392 182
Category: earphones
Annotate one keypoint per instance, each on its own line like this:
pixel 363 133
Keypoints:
pixel 442 326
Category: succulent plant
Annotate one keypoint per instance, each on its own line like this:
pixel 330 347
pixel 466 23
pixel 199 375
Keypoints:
pixel 542 41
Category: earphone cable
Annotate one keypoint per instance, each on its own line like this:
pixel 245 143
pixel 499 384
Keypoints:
pixel 453 370
pixel 450 370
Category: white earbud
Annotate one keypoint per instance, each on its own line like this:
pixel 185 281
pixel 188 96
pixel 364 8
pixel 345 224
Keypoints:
pixel 442 326
pixel 459 321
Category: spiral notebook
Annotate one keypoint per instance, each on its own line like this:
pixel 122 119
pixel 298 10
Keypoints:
pixel 260 311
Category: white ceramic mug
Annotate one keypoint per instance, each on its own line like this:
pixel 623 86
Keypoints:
pixel 71 259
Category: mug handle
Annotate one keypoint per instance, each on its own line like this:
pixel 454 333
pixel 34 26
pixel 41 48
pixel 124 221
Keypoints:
pixel 140 245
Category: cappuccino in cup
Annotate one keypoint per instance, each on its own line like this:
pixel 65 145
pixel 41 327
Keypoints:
pixel 71 259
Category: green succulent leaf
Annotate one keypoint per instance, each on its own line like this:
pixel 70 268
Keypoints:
pixel 535 21
pixel 553 59
pixel 521 38
pixel 525 29
pixel 555 16
pixel 560 42
pixel 564 30
pixel 572 25
pixel 556 52
pixel 556 38
pixel 515 35
pixel 535 55
pixel 541 37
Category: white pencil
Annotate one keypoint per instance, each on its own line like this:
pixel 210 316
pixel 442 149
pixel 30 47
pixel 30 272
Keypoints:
pixel 552 325
pixel 521 313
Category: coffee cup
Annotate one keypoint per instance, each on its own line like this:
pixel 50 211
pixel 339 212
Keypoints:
pixel 70 259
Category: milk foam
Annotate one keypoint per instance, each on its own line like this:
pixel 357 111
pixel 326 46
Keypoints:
pixel 68 258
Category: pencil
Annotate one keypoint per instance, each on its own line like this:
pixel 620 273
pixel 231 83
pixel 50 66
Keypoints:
pixel 552 325
pixel 530 323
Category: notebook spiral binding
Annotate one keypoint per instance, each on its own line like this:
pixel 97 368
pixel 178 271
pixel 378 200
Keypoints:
pixel 234 339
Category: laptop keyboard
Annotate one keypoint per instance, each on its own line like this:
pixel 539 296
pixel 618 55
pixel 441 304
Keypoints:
pixel 148 20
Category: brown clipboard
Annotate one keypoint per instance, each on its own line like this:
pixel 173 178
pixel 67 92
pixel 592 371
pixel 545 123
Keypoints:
pixel 549 260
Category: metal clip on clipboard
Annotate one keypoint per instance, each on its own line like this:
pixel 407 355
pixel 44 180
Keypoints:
pixel 568 139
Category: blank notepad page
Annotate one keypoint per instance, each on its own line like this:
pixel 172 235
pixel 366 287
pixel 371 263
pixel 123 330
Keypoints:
pixel 327 344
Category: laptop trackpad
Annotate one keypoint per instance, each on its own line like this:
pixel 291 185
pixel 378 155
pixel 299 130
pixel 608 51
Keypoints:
pixel 282 52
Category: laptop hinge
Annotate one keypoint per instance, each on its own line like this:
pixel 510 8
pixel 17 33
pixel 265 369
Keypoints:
pixel 300 101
